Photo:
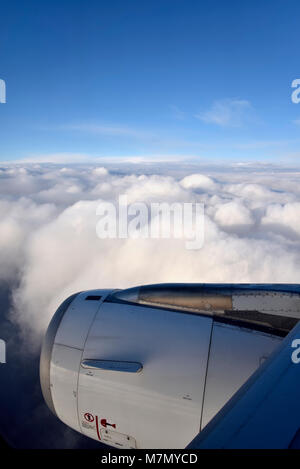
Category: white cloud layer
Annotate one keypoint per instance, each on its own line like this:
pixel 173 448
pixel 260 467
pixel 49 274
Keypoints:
pixel 49 248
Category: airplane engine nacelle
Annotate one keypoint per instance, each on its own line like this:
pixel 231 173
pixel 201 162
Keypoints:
pixel 148 367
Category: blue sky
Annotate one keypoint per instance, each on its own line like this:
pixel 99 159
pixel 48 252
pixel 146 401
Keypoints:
pixel 209 80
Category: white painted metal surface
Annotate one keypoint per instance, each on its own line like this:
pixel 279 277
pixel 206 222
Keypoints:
pixel 67 354
pixel 78 318
pixel 160 407
pixel 265 412
pixel 64 379
pixel 156 375
pixel 235 354
pixel 116 439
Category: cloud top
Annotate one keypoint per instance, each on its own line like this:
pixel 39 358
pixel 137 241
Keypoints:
pixel 49 247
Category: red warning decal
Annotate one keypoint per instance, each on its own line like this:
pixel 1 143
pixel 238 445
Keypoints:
pixel 105 423
pixel 97 427
pixel 89 417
